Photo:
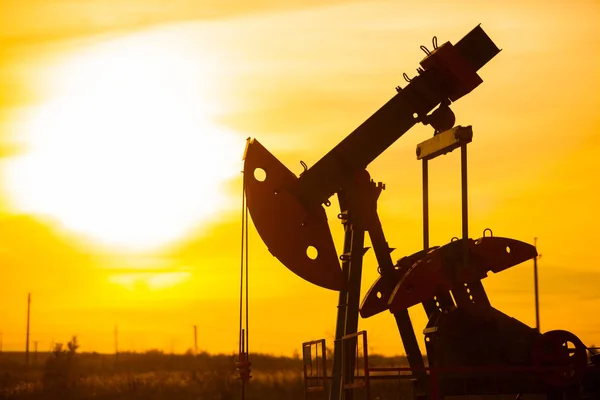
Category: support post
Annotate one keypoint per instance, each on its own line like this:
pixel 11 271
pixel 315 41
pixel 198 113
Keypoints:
pixel 354 280
pixel 27 334
pixel 195 340
pixel 430 149
pixel 116 338
pixel 353 217
pixel 340 326
pixel 464 192
pixel 477 293
pixel 536 288
pixel 348 306
pixel 425 205
pixel 465 203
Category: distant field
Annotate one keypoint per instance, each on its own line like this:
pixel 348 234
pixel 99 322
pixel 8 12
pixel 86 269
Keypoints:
pixel 154 375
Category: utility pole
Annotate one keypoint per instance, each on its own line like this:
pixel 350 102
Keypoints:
pixel 195 340
pixel 116 342
pixel 536 290
pixel 27 337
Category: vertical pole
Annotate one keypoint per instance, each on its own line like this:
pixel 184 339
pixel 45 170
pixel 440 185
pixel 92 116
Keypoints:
pixel 465 220
pixel 425 205
pixel 366 367
pixel 354 281
pixel 465 200
pixel 243 351
pixel 324 354
pixel 116 338
pixel 305 370
pixel 536 288
pixel 349 298
pixel 340 327
pixel 195 340
pixel 429 306
pixel 27 334
pixel 477 292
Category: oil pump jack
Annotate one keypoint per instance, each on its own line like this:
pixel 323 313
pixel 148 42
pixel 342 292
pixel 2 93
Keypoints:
pixel 463 330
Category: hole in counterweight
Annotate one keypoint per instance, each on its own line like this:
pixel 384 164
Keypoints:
pixel 260 174
pixel 312 252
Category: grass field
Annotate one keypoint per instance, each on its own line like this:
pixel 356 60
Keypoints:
pixel 154 375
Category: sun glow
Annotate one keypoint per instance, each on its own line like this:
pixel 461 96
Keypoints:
pixel 124 150
pixel 150 281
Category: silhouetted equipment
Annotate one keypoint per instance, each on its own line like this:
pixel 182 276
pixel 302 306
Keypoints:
pixel 472 348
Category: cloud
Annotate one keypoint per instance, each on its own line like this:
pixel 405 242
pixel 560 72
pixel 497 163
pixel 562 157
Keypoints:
pixel 34 21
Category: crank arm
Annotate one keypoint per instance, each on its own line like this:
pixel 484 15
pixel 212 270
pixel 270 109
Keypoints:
pixel 443 269
pixel 376 299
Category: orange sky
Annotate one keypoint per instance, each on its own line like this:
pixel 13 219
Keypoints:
pixel 122 129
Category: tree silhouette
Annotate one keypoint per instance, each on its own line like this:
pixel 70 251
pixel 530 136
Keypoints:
pixel 73 345
pixel 59 370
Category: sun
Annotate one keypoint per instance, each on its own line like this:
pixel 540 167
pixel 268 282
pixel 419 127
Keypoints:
pixel 124 149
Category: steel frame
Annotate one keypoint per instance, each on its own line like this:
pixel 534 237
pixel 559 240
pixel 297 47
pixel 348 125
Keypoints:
pixel 352 382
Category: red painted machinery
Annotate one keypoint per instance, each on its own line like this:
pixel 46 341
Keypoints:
pixel 472 348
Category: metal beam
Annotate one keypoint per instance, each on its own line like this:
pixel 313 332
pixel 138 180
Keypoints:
pixel 445 74
pixel 444 142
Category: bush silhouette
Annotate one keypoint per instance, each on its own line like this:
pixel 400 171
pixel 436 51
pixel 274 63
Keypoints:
pixel 59 369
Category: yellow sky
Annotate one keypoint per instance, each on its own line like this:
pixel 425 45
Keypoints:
pixel 122 129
